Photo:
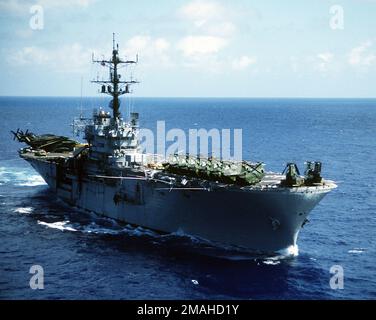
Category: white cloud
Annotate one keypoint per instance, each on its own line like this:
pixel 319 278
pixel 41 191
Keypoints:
pixel 326 63
pixel 225 29
pixel 208 17
pixel 200 12
pixel 14 6
pixel 151 50
pixel 243 62
pixel 65 3
pixel 68 58
pixel 23 6
pixel 360 56
pixel 193 46
pixel 210 29
pixel 137 44
pixel 30 55
pixel 146 45
pixel 74 57
pixel 324 60
pixel 161 45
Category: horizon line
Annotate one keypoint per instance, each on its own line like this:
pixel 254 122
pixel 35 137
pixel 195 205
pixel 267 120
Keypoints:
pixel 184 97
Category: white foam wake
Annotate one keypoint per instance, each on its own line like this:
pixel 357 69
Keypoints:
pixel 24 210
pixel 356 250
pixel 60 225
pixel 20 177
pixel 32 181
pixel 291 251
pixel 271 262
pixel 96 229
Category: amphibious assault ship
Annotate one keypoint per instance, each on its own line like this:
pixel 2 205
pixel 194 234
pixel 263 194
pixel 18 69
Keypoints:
pixel 235 203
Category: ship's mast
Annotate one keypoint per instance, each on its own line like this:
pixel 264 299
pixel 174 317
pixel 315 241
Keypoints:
pixel 114 86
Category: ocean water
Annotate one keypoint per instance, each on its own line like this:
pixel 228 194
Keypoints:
pixel 86 257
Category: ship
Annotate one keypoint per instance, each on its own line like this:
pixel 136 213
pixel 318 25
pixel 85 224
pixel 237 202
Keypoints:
pixel 226 202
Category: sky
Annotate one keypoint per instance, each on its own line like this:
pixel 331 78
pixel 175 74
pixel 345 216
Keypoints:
pixel 192 48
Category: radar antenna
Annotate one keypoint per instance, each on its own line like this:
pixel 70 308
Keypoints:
pixel 114 86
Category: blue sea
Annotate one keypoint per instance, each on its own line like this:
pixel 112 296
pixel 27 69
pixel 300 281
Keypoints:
pixel 86 257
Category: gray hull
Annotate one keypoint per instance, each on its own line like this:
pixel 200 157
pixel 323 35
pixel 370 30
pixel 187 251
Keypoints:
pixel 263 219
